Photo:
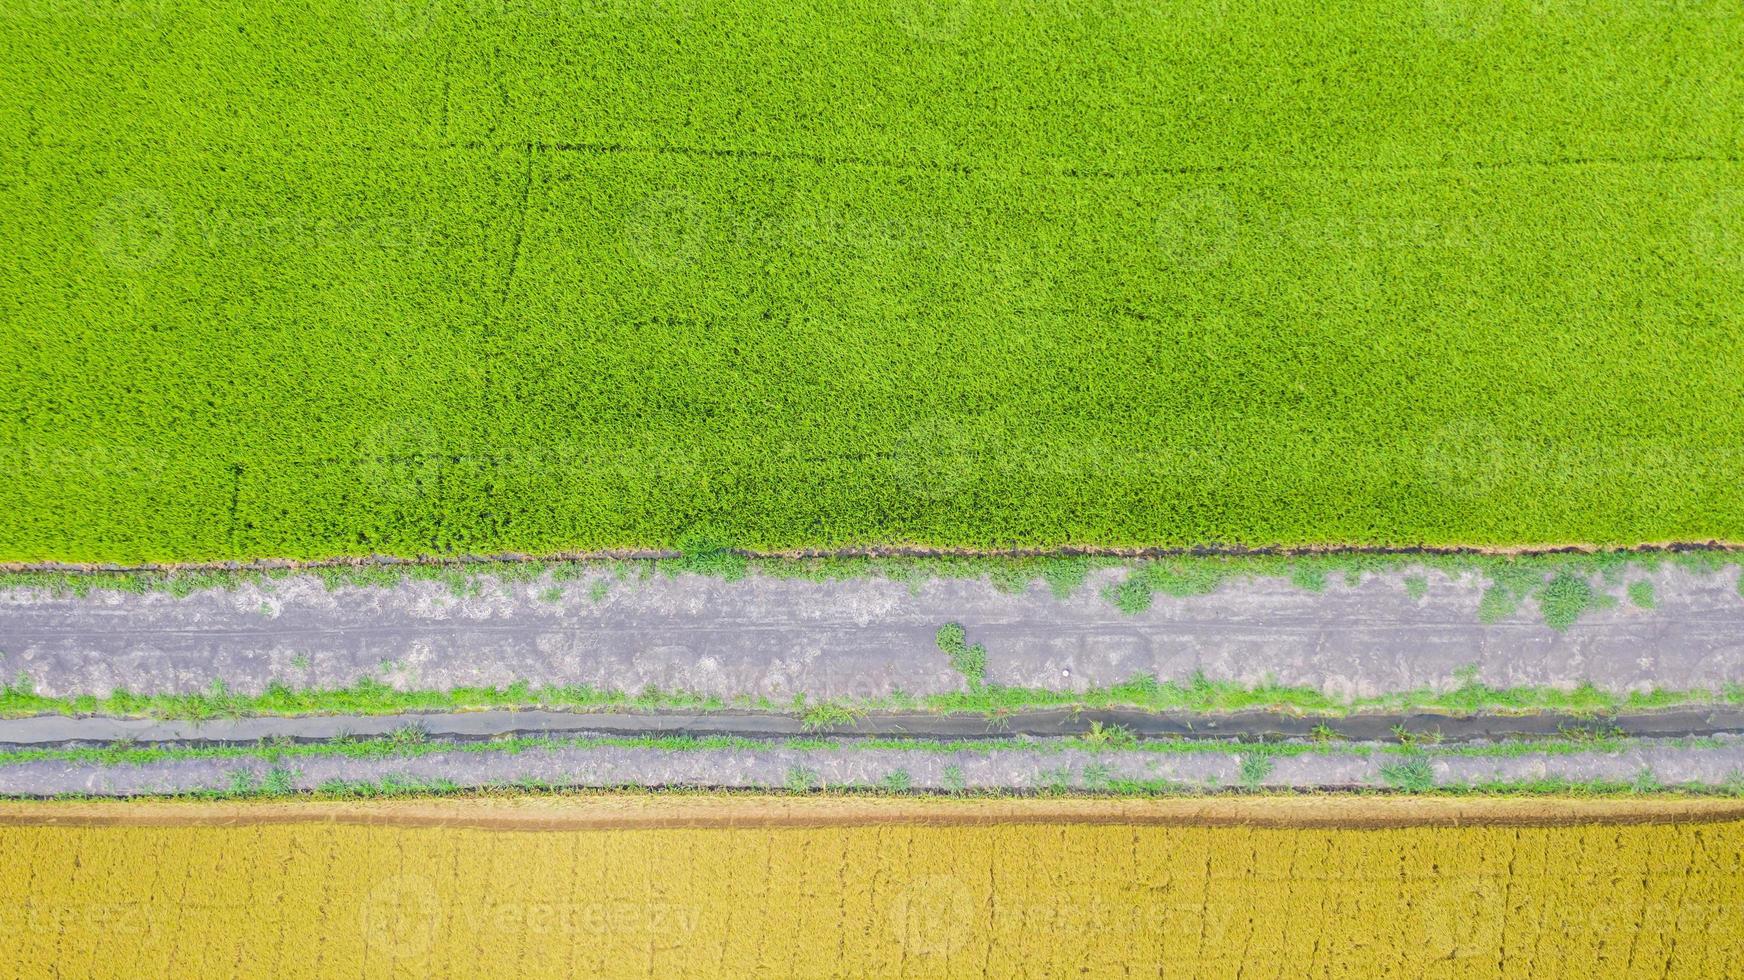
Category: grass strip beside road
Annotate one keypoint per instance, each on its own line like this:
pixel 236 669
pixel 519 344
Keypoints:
pixel 374 697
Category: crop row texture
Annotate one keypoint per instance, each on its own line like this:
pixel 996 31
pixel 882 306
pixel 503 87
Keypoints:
pixel 479 276
pixel 898 900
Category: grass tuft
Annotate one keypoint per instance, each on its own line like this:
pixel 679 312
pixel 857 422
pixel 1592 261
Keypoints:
pixel 1565 599
pixel 1496 604
pixel 1108 737
pixel 1132 596
pixel 1641 595
pixel 1416 586
pixel 1255 767
pixel 970 661
pixel 1414 775
pixel 830 714
pixel 705 552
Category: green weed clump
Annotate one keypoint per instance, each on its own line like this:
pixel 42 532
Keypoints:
pixel 830 714
pixel 1102 736
pixel 896 781
pixel 970 661
pixel 1132 596
pixel 1566 597
pixel 1255 767
pixel 705 553
pixel 1641 595
pixel 1413 775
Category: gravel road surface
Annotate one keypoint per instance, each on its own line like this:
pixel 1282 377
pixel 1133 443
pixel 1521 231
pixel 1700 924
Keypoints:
pixel 778 637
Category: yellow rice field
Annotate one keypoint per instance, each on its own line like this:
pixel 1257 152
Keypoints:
pixel 701 888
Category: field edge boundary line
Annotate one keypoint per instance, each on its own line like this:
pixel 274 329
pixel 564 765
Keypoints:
pixel 1721 547
pixel 756 809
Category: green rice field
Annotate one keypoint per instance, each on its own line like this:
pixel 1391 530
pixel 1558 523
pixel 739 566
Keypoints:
pixel 343 277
